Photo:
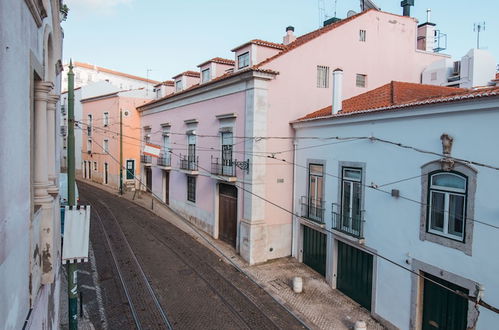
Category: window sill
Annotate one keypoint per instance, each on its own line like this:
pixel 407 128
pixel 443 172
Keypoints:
pixel 464 247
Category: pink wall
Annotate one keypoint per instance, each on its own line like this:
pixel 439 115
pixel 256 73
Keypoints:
pixel 389 53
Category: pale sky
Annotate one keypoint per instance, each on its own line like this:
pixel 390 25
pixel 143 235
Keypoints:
pixel 171 36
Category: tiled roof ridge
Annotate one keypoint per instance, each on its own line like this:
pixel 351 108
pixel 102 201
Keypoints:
pixel 222 77
pixel 219 60
pixel 118 73
pixel 464 94
pixel 188 73
pixel 261 42
pixel 165 83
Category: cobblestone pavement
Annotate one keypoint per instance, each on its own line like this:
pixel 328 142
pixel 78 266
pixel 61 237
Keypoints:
pixel 194 286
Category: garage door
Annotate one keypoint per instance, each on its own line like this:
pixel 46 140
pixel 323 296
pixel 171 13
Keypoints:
pixel 314 249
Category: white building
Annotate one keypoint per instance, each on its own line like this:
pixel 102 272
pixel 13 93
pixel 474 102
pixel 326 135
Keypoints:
pixel 30 68
pixel 91 81
pixel 398 210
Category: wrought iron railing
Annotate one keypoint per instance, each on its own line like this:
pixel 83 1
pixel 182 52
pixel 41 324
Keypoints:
pixel 164 160
pixel 313 209
pixel 351 225
pixel 145 159
pixel 224 167
pixel 189 163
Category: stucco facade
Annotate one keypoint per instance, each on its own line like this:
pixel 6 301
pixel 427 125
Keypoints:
pixel 275 87
pixel 30 66
pixel 395 203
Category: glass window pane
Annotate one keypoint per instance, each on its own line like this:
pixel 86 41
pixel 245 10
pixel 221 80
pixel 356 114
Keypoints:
pixel 345 203
pixel 315 169
pixel 456 215
pixel 437 211
pixel 448 180
pixel 352 174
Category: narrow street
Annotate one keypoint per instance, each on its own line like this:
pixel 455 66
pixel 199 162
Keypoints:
pixel 190 287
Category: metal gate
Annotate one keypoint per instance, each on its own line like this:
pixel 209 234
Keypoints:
pixel 355 274
pixel 443 309
pixel 314 250
pixel 227 213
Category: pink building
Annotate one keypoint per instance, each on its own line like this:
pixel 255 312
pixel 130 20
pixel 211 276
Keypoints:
pixel 101 138
pixel 222 128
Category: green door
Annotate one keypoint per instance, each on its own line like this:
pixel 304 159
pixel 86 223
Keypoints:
pixel 130 169
pixel 314 250
pixel 443 309
pixel 355 274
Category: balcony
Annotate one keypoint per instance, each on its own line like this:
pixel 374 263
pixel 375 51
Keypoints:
pixel 189 164
pixel 89 131
pixel 146 160
pixel 164 161
pixel 224 167
pixel 350 225
pixel 312 209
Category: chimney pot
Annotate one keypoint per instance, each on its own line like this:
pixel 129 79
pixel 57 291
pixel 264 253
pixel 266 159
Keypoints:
pixel 337 90
pixel 290 28
pixel 289 37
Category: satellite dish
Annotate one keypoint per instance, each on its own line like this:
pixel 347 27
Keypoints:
pixel 350 13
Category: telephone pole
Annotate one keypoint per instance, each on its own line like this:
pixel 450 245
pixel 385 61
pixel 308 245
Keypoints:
pixel 121 152
pixel 72 281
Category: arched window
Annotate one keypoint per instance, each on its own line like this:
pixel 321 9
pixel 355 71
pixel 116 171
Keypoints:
pixel 447 197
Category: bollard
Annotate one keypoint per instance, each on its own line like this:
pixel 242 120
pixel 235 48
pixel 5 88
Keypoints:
pixel 360 325
pixel 297 284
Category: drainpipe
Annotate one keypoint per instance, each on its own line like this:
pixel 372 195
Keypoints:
pixel 337 90
pixel 294 241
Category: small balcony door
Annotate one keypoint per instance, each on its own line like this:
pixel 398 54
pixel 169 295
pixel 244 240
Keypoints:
pixel 351 197
pixel 315 192
pixel 227 153
pixel 106 173
pixel 191 152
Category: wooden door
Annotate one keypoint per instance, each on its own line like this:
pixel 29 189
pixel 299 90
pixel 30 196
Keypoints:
pixel 227 213
pixel 443 309
pixel 148 179
pixel 314 249
pixel 355 274
pixel 166 187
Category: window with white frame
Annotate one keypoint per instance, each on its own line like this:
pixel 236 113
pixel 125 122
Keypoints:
pixel 205 75
pixel 89 125
pixel 351 200
pixel 105 146
pixel 243 60
pixel 191 151
pixel 106 119
pixel 178 85
pixel 314 204
pixel 89 145
pixel 166 143
pixel 362 35
pixel 227 142
pixel 360 80
pixel 446 204
pixel 322 76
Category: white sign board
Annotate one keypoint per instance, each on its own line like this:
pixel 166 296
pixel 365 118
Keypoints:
pixel 152 150
pixel 76 234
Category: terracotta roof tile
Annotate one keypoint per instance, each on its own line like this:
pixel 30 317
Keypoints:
pixel 165 83
pixel 117 73
pixel 261 43
pixel 194 74
pixel 397 95
pixel 218 60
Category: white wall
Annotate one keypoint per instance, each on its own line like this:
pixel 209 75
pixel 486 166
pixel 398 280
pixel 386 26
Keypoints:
pixel 392 224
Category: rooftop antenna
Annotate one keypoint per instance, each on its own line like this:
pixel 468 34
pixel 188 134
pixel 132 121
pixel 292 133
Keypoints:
pixel 478 27
pixel 335 5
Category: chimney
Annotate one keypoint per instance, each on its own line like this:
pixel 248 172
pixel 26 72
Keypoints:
pixel 406 4
pixel 337 90
pixel 426 34
pixel 289 37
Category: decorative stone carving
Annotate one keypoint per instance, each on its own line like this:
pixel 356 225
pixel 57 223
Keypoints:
pixel 447 162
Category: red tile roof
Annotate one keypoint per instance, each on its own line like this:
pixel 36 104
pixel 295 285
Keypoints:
pixel 222 77
pixel 261 43
pixel 165 83
pixel 117 73
pixel 194 74
pixel 403 95
pixel 218 60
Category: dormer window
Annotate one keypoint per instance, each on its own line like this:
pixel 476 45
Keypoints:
pixel 243 60
pixel 178 85
pixel 205 75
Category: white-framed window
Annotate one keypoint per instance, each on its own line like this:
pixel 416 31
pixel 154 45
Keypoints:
pixel 191 150
pixel 89 125
pixel 106 119
pixel 89 145
pixel 362 35
pixel 351 200
pixel 322 76
pixel 105 146
pixel 158 92
pixel 205 75
pixel 166 144
pixel 360 80
pixel 447 196
pixel 243 60
pixel 178 85
pixel 314 204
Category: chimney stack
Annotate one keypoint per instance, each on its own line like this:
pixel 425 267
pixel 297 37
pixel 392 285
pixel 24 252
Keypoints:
pixel 426 34
pixel 289 37
pixel 406 4
pixel 337 90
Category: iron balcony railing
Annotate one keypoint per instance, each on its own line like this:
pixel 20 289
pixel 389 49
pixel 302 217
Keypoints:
pixel 223 167
pixel 351 225
pixel 189 163
pixel 164 160
pixel 145 159
pixel 313 209
pixel 89 131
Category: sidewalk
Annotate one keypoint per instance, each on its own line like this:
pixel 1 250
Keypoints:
pixel 319 306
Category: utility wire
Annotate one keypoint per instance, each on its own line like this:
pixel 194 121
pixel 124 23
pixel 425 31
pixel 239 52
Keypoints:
pixel 459 293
